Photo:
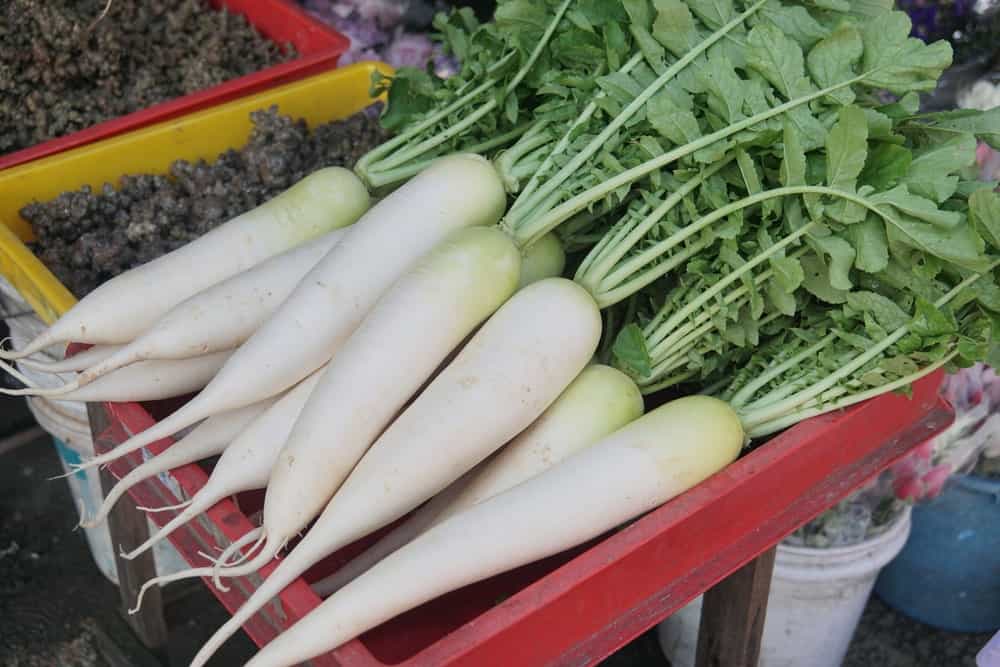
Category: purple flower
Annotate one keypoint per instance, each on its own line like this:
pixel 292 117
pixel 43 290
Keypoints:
pixel 409 50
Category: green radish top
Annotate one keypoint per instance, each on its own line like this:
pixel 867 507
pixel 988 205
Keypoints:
pixel 689 419
pixel 325 200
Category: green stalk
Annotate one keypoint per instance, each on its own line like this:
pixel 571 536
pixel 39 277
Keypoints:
pixel 397 158
pixel 755 417
pixel 564 140
pixel 745 394
pixel 363 165
pixel 706 296
pixel 767 427
pixel 531 203
pixel 536 227
pixel 380 179
pixel 604 259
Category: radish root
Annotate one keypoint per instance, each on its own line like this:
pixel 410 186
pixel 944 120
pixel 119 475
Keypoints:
pixel 200 571
pixel 165 508
pixel 16 374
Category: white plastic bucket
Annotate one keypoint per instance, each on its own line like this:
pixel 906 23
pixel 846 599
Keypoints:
pixel 816 600
pixel 73 442
pixel 69 426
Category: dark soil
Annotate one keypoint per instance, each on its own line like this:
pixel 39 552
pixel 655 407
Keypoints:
pixel 62 70
pixel 56 608
pixel 86 238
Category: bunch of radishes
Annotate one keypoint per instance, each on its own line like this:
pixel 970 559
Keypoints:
pixel 358 362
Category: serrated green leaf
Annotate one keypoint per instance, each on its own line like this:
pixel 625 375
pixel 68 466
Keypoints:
pixel 676 124
pixel 713 13
pixel 884 310
pixel 510 109
pixel 984 214
pixel 846 149
pixel 832 5
pixel 880 126
pixel 793 161
pixel 788 273
pixel 724 87
pixel 841 259
pixel 410 96
pixel 651 50
pixel 523 17
pixel 795 22
pixel 916 207
pixel 749 172
pixel 639 13
pixel 960 245
pixel 601 12
pixel 778 59
pixel 931 171
pixel 834 59
pixel 816 280
pixel 871 246
pixel 897 62
pixel 983 124
pixel 930 321
pixel 783 301
pixel 885 166
pixel 616 44
pixel 674 26
pixel 630 351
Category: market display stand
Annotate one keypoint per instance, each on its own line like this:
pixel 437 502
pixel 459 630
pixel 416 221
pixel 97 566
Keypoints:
pixel 129 528
pixel 576 608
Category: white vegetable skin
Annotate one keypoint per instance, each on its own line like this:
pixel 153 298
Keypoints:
pixel 632 471
pixel 122 308
pixel 144 381
pixel 331 300
pixel 223 316
pixel 247 462
pixel 411 330
pixel 511 370
pixel 598 402
pixel 209 438
pixel 80 361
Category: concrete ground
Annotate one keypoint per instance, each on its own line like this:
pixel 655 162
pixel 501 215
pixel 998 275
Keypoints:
pixel 57 610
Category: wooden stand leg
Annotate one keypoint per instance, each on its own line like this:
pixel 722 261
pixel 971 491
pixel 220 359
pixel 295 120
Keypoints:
pixel 732 616
pixel 129 529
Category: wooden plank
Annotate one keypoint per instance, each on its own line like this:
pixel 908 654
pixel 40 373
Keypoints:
pixel 129 529
pixel 732 616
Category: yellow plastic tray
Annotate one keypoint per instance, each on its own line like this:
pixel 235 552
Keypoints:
pixel 200 135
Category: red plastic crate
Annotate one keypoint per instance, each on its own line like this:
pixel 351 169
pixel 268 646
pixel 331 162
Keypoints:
pixel 578 607
pixel 319 47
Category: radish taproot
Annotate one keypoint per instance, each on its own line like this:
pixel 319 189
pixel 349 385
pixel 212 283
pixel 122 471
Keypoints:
pixel 246 463
pixel 438 303
pixel 224 315
pixel 209 438
pixel 78 362
pixel 130 303
pixel 144 381
pixel 598 402
pixel 631 471
pixel 511 370
pixel 331 300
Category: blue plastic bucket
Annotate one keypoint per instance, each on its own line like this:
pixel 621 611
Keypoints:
pixel 948 574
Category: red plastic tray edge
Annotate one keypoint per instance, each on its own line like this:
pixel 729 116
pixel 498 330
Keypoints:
pixel 319 46
pixel 491 633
